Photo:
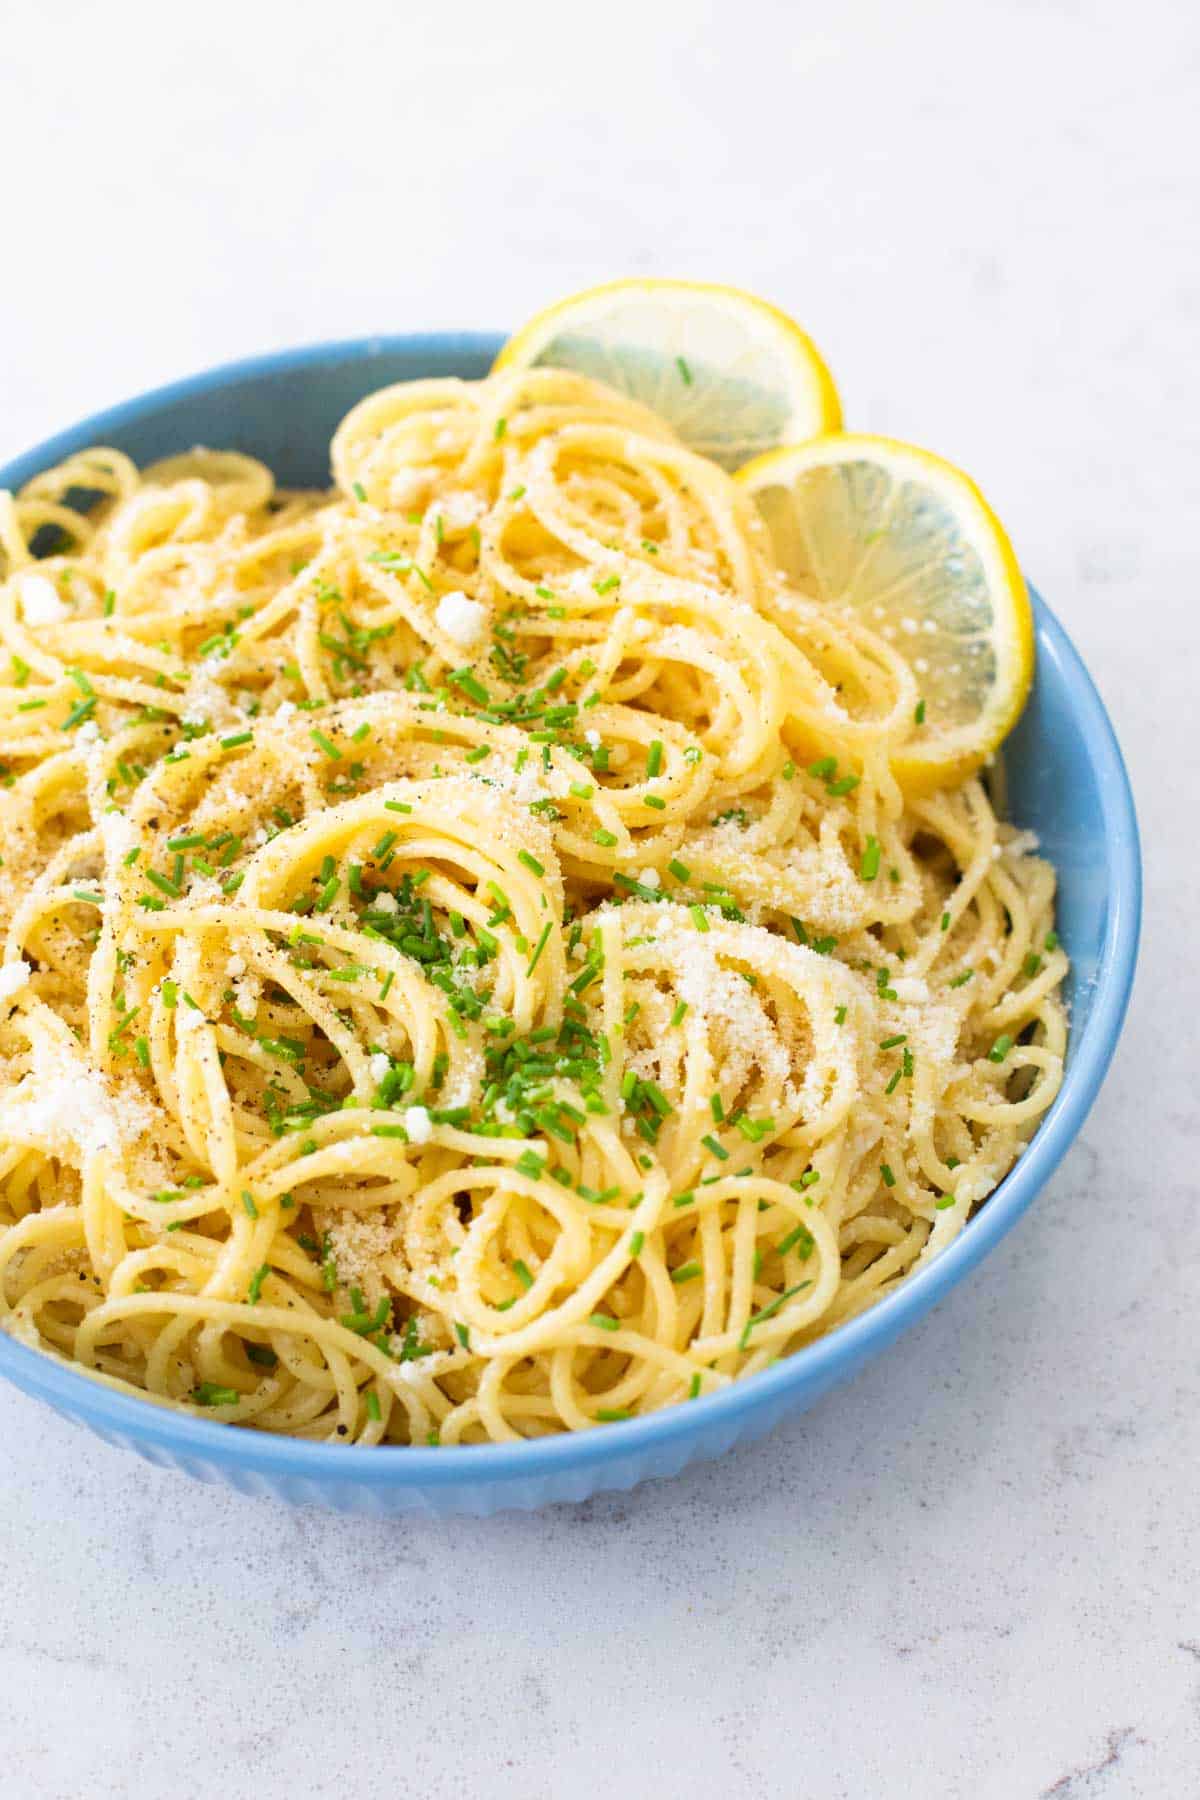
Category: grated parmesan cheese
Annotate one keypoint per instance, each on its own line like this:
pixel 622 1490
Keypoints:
pixel 70 1108
pixel 40 604
pixel 461 618
pixel 418 1125
pixel 13 977
pixel 460 511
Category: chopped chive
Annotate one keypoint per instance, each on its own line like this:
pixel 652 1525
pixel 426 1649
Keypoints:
pixel 521 1271
pixel 501 427
pixel 846 785
pixel 531 862
pixel 654 758
pixel 694 1387
pixel 1052 941
pixel 700 917
pixel 613 1415
pixel 894 1083
pixel 529 1163
pixel 463 1335
pixel 541 945
pixel 478 754
pixel 800 1236
pixel 901 1037
pixel 87 896
pixel 605 838
pixel 919 714
pixel 471 685
pixel 371 1402
pixel 326 744
pixel 716 1109
pixel 397 806
pixel 163 883
pixel 679 870
pixel 79 713
pixel 685 372
pixel 141 1049
pixel 869 867
pixel 637 1243
pixel 605 1321
pixel 717 1149
pixel 680 1013
pixel 945 1203
pixel 839 1015
pixel 945 921
pixel 889 1179
pixel 235 742
pixel 688 1272
pixel 961 980
pixel 769 1311
pixel 654 800
pixel 248 1203
pixel 606 584
pixel 1000 1048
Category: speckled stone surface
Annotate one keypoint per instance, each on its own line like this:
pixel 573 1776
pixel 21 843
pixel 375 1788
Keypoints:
pixel 972 1574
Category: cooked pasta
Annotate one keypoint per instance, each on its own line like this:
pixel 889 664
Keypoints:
pixel 469 969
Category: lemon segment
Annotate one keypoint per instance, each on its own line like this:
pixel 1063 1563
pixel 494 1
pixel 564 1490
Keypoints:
pixel 731 374
pixel 909 543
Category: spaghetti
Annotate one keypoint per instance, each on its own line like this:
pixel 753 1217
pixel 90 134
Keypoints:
pixel 469 969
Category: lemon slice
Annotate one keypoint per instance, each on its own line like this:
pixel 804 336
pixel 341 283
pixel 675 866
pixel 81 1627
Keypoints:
pixel 910 544
pixel 732 375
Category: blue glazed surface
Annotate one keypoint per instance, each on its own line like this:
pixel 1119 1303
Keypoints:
pixel 1066 781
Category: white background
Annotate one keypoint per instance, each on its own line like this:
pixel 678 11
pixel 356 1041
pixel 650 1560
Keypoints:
pixel 974 1571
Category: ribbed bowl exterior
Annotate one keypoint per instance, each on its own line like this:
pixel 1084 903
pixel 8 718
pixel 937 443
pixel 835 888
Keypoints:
pixel 1066 780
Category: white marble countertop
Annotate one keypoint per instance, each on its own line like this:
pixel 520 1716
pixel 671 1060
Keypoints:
pixel 972 1574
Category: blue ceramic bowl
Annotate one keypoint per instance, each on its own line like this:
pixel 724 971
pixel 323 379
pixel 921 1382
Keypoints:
pixel 1066 781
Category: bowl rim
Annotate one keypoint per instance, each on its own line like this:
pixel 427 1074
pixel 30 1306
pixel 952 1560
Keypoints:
pixel 48 1377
